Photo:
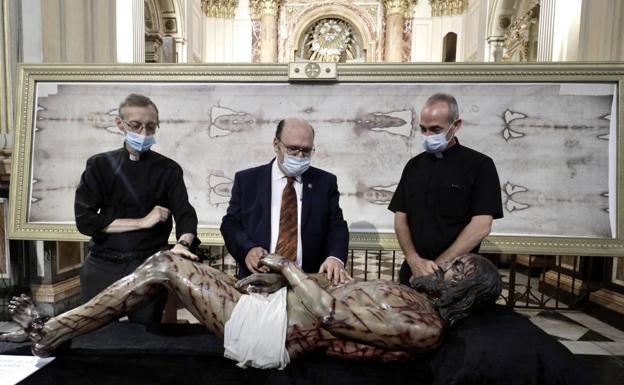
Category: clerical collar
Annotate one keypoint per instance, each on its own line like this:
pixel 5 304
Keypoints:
pixel 448 151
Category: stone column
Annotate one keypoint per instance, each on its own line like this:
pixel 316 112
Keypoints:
pixel 268 11
pixel 395 10
pixel 408 21
pixel 220 33
pixel 256 30
pixel 495 48
pixel 546 30
pixel 130 31
pixel 601 32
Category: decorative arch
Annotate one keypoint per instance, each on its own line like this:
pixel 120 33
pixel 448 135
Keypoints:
pixel 500 14
pixel 361 21
pixel 172 18
pixel 164 28
pixel 153 16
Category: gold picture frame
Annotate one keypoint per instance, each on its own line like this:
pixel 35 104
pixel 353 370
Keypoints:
pixel 485 83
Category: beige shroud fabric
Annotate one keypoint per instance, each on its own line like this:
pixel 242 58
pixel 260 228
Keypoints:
pixel 255 334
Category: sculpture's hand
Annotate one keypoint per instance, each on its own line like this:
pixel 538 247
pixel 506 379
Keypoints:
pixel 261 283
pixel 274 262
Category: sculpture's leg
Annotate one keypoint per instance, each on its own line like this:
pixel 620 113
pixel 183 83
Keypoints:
pixel 353 351
pixel 413 327
pixel 206 292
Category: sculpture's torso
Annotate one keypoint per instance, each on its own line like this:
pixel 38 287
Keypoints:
pixel 305 332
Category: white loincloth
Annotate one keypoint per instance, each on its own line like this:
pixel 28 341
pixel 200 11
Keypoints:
pixel 255 334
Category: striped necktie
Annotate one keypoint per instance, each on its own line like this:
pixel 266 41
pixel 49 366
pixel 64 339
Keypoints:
pixel 287 238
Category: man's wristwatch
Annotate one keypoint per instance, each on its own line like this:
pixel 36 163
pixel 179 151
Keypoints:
pixel 183 243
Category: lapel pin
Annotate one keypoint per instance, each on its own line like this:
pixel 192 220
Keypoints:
pixel 309 185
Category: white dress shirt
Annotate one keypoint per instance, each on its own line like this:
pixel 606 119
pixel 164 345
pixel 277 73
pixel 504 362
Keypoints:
pixel 278 182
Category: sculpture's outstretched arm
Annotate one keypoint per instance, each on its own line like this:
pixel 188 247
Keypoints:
pixel 272 282
pixel 391 329
pixel 207 293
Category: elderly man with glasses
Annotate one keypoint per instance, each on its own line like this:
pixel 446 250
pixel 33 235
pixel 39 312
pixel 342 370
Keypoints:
pixel 289 208
pixel 125 202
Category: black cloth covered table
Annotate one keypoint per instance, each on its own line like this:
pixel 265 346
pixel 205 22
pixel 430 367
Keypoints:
pixel 495 346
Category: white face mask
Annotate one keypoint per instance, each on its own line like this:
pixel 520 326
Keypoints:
pixel 139 142
pixel 437 142
pixel 294 165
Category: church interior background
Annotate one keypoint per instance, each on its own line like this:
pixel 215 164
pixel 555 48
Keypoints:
pixel 578 299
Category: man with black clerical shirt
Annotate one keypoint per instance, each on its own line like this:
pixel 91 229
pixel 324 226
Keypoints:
pixel 447 197
pixel 125 202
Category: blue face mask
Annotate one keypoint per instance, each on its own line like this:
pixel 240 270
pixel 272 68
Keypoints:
pixel 294 165
pixel 140 142
pixel 437 142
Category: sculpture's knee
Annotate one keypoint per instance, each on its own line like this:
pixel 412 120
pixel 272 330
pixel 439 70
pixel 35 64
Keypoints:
pixel 158 265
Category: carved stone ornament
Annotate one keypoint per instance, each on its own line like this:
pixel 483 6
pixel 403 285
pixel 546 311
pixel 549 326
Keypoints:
pixel 330 40
pixel 222 9
pixel 258 8
pixel 447 7
pixel 404 7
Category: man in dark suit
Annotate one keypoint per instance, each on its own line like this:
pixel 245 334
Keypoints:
pixel 289 208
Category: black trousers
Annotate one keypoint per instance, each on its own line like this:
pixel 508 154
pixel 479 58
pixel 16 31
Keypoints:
pixel 97 274
pixel 405 273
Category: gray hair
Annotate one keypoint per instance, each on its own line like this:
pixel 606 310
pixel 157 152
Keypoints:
pixel 450 102
pixel 136 100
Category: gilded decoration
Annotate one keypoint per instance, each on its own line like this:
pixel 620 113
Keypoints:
pixel 362 18
pixel 259 8
pixel 447 7
pixel 519 35
pixel 222 9
pixel 330 40
pixel 403 7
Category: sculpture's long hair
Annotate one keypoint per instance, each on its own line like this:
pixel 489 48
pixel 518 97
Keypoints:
pixel 454 301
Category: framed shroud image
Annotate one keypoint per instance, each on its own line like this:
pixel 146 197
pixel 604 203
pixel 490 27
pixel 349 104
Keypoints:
pixel 553 131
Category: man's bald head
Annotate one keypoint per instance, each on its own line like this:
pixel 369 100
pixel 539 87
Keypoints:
pixel 292 122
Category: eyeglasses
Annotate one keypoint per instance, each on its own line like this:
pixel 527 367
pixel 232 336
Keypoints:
pixel 135 126
pixel 294 150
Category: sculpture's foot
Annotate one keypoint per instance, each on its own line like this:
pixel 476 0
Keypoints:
pixel 25 314
pixel 40 350
pixel 18 336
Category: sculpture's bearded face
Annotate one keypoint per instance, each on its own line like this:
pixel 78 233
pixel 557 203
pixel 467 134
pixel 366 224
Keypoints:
pixel 458 269
pixel 460 286
pixel 448 275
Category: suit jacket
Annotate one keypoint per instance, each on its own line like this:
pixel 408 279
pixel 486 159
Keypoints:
pixel 247 223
